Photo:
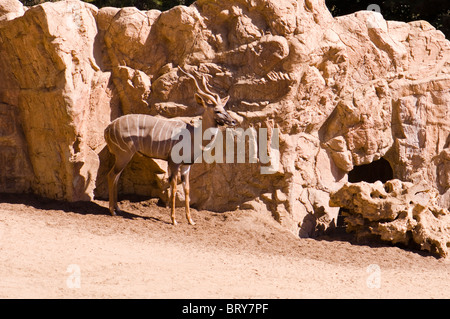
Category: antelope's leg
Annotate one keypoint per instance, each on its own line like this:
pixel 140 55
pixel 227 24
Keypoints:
pixel 173 195
pixel 113 179
pixel 185 181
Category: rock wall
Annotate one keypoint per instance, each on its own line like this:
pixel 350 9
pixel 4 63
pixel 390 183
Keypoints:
pixel 343 92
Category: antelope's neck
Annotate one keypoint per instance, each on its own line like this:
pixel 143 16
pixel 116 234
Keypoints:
pixel 208 122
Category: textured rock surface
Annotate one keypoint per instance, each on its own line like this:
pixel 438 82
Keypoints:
pixel 397 212
pixel 343 91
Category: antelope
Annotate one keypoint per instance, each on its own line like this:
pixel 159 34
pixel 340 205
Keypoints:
pixel 153 137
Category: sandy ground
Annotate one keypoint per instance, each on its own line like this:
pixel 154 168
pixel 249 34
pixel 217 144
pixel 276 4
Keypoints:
pixel 59 250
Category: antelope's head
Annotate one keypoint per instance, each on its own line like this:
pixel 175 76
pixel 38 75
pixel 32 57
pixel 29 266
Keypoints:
pixel 212 102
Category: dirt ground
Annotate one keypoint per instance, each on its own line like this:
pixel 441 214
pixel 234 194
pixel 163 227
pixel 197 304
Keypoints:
pixel 51 249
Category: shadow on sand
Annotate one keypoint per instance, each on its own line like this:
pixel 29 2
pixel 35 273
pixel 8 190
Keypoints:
pixel 80 207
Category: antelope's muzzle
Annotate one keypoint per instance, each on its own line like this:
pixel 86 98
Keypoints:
pixel 225 119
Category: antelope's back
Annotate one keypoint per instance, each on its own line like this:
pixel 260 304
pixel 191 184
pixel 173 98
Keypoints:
pixel 143 133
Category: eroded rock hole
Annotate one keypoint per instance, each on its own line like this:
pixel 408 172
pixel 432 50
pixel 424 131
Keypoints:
pixel 379 170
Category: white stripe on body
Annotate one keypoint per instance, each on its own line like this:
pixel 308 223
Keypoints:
pixel 151 136
pixel 167 140
pixel 121 137
pixel 159 138
pixel 142 133
pixel 137 133
pixel 115 136
pixel 129 136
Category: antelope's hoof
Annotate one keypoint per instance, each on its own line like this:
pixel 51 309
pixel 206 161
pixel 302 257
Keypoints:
pixel 114 212
pixel 174 222
pixel 191 222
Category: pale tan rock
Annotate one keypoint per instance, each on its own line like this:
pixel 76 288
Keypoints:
pixel 397 212
pixel 342 91
pixel 55 72
pixel 11 9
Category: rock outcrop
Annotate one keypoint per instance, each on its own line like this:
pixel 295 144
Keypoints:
pixel 396 212
pixel 342 91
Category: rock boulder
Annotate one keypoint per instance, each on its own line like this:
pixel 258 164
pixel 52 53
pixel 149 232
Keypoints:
pixel 396 212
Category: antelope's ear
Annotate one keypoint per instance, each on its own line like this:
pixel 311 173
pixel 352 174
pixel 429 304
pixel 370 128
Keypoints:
pixel 199 100
pixel 225 100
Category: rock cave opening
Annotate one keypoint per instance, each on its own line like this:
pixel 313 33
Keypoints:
pixel 379 170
